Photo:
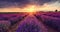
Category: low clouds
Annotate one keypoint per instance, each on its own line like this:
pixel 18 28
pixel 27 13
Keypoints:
pixel 22 3
pixel 9 3
pixel 41 2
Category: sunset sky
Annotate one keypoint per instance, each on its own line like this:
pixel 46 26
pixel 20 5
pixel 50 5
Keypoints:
pixel 29 5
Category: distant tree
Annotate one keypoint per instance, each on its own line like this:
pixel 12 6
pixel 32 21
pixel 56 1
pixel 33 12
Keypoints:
pixel 56 10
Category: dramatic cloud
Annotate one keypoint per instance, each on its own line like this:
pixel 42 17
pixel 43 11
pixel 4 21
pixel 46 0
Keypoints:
pixel 22 3
pixel 41 2
pixel 8 3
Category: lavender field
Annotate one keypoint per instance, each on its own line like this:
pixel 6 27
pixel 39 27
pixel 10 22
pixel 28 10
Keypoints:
pixel 23 22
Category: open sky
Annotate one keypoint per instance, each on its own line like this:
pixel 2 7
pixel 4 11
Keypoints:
pixel 29 5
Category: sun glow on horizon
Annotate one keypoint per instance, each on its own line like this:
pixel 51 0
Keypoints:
pixel 29 8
